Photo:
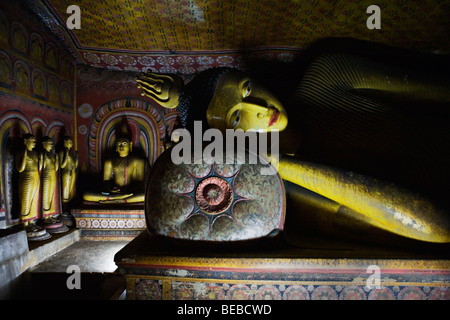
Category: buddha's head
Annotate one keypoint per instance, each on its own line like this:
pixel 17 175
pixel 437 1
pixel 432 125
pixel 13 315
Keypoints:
pixel 29 141
pixel 228 99
pixel 123 146
pixel 47 143
pixel 68 142
pixel 241 103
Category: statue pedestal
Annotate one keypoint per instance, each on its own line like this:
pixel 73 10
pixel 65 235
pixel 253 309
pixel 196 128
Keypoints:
pixel 112 222
pixel 56 227
pixel 156 269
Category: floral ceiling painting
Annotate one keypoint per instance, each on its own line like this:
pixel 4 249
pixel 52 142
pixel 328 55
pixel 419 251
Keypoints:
pixel 189 35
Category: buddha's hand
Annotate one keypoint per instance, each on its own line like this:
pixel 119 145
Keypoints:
pixel 149 85
pixel 163 88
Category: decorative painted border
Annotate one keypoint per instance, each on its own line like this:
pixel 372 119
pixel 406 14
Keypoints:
pixel 92 223
pixel 198 278
pixel 166 288
pixel 296 265
pixel 185 63
pixel 109 224
pixel 109 235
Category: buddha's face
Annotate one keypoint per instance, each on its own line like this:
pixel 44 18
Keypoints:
pixel 48 145
pixel 30 143
pixel 68 143
pixel 241 103
pixel 123 147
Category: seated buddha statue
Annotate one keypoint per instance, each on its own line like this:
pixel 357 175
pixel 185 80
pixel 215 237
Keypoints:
pixel 123 177
pixel 362 138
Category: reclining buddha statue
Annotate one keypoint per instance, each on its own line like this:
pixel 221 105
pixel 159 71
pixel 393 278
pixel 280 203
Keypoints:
pixel 364 138
pixel 123 176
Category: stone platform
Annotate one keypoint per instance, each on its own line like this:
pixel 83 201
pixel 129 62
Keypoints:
pixel 112 222
pixel 18 255
pixel 158 269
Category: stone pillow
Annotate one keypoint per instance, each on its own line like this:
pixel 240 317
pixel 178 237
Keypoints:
pixel 214 202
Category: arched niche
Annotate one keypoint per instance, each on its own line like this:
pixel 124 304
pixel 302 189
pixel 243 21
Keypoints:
pixel 5 69
pixel 13 125
pixel 39 84
pixel 145 121
pixel 22 76
pixel 36 47
pixel 19 37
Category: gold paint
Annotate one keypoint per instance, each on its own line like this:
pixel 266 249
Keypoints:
pixel 285 263
pixel 50 167
pixel 163 88
pixel 68 163
pixel 166 288
pixel 381 204
pixel 28 164
pixel 242 103
pixel 122 177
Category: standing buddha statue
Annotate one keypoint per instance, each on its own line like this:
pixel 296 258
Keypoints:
pixel 68 162
pixel 50 179
pixel 29 164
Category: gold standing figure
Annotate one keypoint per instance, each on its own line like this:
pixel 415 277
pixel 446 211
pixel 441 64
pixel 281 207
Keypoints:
pixel 68 163
pixel 50 168
pixel 29 164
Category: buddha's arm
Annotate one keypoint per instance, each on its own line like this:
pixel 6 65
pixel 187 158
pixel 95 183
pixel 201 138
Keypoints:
pixel 21 161
pixel 384 205
pixel 44 156
pixel 41 161
pixel 139 170
pixel 63 156
pixel 107 174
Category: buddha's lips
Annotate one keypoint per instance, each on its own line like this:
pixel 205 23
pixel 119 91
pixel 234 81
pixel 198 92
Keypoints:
pixel 274 118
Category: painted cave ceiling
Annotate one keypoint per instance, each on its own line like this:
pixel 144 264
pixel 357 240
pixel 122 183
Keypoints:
pixel 137 34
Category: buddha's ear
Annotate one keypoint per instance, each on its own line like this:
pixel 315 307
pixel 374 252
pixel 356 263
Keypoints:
pixel 131 146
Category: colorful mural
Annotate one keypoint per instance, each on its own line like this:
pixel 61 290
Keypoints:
pixel 110 223
pixel 34 70
pixel 31 64
pixel 152 289
pixel 204 25
pixel 168 35
pixel 23 116
pixel 106 98
pixel 155 274
pixel 184 64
